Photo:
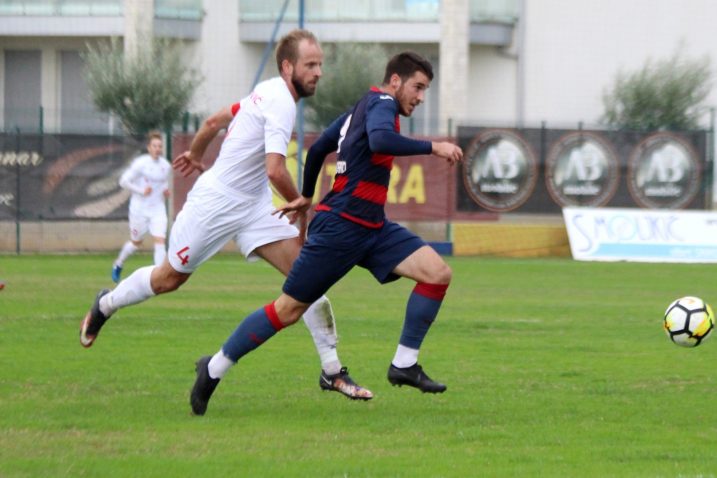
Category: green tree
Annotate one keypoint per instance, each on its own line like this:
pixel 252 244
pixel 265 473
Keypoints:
pixel 350 70
pixel 665 94
pixel 149 91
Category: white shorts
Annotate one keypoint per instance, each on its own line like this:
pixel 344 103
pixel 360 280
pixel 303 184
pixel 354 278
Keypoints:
pixel 153 222
pixel 210 219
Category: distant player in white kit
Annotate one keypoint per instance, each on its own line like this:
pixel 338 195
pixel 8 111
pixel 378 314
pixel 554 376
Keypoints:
pixel 147 178
pixel 232 200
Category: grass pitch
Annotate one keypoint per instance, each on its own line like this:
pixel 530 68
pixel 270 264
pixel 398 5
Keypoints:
pixel 554 368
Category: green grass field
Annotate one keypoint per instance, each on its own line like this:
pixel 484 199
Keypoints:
pixel 554 368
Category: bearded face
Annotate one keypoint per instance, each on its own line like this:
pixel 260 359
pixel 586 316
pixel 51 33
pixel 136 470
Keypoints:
pixel 307 70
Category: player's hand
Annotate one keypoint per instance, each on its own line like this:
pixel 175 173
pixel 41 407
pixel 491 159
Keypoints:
pixel 166 193
pixel 186 164
pixel 295 209
pixel 449 151
pixel 148 190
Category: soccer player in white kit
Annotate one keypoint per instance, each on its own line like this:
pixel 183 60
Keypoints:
pixel 147 178
pixel 232 200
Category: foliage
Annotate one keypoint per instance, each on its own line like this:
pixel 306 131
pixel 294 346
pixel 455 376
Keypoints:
pixel 554 368
pixel 666 94
pixel 150 91
pixel 350 70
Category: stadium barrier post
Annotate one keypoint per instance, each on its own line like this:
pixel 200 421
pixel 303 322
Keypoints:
pixel 185 122
pixel 711 145
pixel 17 192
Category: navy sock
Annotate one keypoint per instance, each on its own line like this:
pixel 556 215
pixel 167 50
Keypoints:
pixel 421 311
pixel 257 328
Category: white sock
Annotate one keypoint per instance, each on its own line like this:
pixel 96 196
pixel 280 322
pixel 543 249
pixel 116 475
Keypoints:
pixel 159 254
pixel 219 365
pixel 319 318
pixel 405 357
pixel 127 250
pixel 134 289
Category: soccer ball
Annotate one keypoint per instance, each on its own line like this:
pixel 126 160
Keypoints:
pixel 689 321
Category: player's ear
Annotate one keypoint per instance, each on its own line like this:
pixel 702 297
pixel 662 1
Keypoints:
pixel 395 81
pixel 287 67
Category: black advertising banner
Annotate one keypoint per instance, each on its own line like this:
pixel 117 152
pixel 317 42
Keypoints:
pixel 61 177
pixel 68 177
pixel 543 170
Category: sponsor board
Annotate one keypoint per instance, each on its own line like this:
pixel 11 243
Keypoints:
pixel 500 170
pixel 664 171
pixel 641 235
pixel 531 170
pixel 582 170
pixel 421 187
pixel 64 177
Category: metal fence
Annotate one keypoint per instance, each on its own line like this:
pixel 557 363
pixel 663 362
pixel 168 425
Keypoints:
pixel 69 182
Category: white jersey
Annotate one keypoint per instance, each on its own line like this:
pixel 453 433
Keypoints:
pixel 232 200
pixel 262 125
pixel 145 171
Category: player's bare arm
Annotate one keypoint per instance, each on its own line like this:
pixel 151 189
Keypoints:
pixel 283 183
pixel 191 160
pixel 324 145
pixel 449 151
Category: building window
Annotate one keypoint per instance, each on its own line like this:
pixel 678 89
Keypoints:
pixel 23 90
pixel 77 111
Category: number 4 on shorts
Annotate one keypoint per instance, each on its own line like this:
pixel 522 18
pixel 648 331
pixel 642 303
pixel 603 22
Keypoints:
pixel 183 256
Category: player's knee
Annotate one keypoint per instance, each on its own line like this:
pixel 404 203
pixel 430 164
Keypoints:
pixel 176 281
pixel 289 310
pixel 442 274
pixel 291 316
pixel 165 279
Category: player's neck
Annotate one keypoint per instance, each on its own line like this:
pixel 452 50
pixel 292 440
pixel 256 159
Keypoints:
pixel 290 86
pixel 388 89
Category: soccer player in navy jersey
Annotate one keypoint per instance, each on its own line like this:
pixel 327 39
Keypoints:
pixel 350 228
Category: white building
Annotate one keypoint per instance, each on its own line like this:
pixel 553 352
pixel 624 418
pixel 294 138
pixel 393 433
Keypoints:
pixel 498 62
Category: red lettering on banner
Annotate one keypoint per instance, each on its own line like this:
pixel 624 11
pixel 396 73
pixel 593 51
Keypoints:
pixel 421 187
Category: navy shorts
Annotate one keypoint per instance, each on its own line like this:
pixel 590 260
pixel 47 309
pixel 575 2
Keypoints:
pixel 335 245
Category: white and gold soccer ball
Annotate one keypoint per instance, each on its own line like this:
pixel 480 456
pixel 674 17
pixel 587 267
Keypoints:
pixel 689 321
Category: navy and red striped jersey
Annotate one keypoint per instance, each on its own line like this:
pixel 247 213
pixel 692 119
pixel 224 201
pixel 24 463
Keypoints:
pixel 366 140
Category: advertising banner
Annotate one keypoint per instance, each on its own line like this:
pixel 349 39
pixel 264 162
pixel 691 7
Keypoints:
pixel 642 235
pixel 64 177
pixel 421 187
pixel 540 170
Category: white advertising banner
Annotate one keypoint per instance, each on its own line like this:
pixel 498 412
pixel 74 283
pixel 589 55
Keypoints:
pixel 645 235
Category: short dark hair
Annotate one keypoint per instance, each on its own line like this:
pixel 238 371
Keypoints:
pixel 405 65
pixel 288 46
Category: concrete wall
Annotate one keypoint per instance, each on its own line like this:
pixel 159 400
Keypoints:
pixel 573 50
pixel 108 236
pixel 64 236
pixel 564 54
pixel 227 64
